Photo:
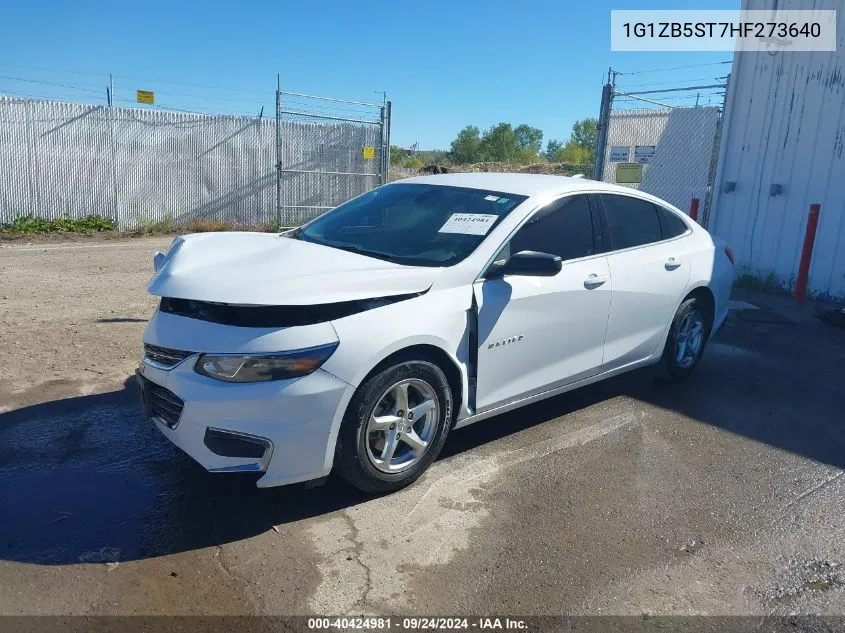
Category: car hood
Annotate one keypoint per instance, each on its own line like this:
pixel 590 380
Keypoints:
pixel 269 269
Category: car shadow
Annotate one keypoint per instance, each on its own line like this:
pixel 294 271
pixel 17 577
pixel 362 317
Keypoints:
pixel 88 479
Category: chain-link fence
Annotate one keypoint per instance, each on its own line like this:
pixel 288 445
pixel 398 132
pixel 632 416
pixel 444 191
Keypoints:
pixel 134 166
pixel 329 151
pixel 660 147
pixel 148 166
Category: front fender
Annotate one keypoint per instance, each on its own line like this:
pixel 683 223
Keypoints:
pixel 437 319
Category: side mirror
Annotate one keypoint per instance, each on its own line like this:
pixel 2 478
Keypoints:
pixel 528 263
pixel 158 260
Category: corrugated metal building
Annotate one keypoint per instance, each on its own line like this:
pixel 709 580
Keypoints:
pixel 782 150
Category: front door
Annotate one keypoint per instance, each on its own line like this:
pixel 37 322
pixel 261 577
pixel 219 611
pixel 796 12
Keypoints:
pixel 537 333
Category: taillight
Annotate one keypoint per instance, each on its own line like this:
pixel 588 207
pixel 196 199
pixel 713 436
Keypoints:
pixel 729 253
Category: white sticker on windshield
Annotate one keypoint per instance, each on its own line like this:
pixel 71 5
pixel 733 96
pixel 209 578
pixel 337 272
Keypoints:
pixel 469 223
pixel 491 198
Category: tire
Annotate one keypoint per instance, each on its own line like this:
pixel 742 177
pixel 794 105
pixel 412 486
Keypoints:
pixel 365 438
pixel 676 364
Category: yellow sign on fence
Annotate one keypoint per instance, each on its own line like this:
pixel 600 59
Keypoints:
pixel 145 96
pixel 369 152
pixel 629 173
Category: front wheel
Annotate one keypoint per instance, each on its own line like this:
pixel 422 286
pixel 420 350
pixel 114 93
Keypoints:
pixel 685 343
pixel 394 427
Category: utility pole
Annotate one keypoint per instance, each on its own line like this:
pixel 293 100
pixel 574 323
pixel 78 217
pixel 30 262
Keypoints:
pixel 604 121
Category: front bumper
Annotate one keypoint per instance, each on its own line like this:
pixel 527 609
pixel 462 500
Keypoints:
pixel 284 429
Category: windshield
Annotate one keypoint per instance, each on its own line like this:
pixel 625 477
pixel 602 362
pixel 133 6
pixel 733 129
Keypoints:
pixel 413 224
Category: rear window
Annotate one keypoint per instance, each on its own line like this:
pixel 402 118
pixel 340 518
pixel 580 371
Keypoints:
pixel 631 221
pixel 670 224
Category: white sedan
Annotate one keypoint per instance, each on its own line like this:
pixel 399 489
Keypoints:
pixel 358 341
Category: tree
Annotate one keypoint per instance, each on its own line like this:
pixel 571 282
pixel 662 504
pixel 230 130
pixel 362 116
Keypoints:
pixel 530 138
pixel 581 146
pixel 585 133
pixel 574 153
pixel 552 148
pixel 499 143
pixel 522 144
pixel 398 156
pixel 466 148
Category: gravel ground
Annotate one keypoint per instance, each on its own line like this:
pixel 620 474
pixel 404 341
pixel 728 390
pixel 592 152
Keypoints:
pixel 71 315
pixel 720 496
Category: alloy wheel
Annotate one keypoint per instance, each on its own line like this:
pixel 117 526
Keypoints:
pixel 402 425
pixel 689 339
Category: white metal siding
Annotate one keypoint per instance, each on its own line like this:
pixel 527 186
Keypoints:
pixel 785 124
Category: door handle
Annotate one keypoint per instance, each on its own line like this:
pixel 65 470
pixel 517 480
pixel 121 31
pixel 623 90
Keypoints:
pixel 672 264
pixel 594 281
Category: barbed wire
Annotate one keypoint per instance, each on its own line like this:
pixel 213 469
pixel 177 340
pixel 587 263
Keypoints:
pixel 84 88
pixel 177 96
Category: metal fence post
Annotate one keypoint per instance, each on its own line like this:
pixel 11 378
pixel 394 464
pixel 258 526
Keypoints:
pixel 716 163
pixel 388 114
pixel 383 167
pixel 604 120
pixel 116 203
pixel 278 152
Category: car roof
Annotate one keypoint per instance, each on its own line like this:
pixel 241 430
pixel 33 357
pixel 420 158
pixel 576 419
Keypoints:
pixel 519 184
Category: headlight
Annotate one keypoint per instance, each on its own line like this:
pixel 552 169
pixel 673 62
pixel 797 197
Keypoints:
pixel 262 367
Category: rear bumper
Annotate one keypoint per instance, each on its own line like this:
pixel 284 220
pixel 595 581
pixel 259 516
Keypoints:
pixel 284 429
pixel 719 324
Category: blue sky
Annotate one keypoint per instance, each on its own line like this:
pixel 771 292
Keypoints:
pixel 443 64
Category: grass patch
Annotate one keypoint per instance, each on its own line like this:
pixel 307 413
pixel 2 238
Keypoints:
pixel 156 227
pixel 30 225
pixel 770 284
pixel 66 228
pixel 169 225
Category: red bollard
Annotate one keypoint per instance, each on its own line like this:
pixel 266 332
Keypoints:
pixel 693 209
pixel 807 253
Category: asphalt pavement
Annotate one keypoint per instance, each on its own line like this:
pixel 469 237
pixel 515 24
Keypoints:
pixel 722 495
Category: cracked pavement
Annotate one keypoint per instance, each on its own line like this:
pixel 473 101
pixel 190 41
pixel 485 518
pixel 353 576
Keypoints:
pixel 723 495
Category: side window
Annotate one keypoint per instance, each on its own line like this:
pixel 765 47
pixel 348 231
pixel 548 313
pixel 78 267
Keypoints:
pixel 564 227
pixel 630 221
pixel 670 224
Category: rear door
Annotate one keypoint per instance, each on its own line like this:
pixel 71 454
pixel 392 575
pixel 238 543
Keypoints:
pixel 535 333
pixel 650 270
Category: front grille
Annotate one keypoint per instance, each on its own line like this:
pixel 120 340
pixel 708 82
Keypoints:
pixel 164 356
pixel 164 404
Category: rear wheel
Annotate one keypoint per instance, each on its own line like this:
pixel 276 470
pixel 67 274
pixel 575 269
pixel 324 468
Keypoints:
pixel 685 343
pixel 394 427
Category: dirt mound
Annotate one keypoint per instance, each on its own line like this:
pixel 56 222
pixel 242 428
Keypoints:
pixel 555 169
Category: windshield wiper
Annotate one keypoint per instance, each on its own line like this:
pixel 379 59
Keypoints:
pixel 361 251
pixel 407 260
